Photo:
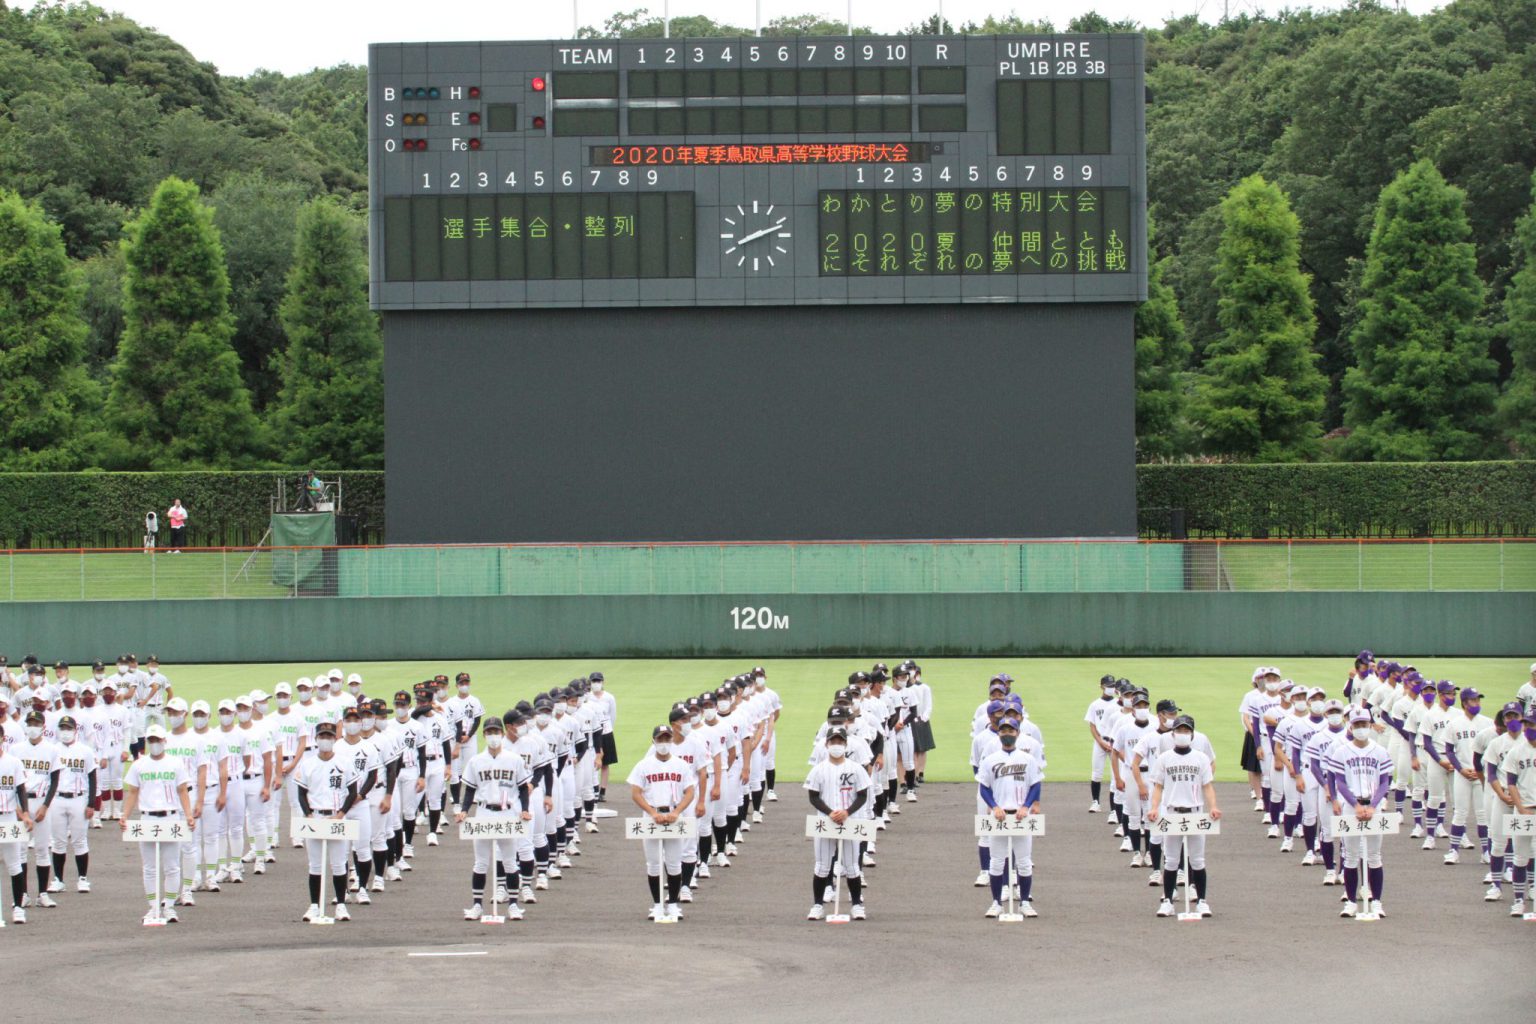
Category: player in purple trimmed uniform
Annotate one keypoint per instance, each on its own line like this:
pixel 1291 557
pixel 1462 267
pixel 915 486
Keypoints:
pixel 1316 820
pixel 1361 771
pixel 1461 731
pixel 1518 771
pixel 1009 783
pixel 1437 767
pixel 1495 743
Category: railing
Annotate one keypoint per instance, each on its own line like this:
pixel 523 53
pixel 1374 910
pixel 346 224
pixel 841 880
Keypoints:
pixel 770 568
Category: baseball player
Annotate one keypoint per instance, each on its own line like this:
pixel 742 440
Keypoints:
pixel 1424 693
pixel 1400 745
pixel 663 789
pixel 1488 750
pixel 120 730
pixel 1183 783
pixel 1462 728
pixel 538 756
pixel 1141 757
pixel 1437 767
pixel 1361 678
pixel 1009 783
pixel 410 786
pixel 498 785
pixel 368 771
pixel 1130 781
pixel 610 712
pixel 13 808
pixel 239 760
pixel 40 757
pixel 208 770
pixel 1317 796
pixel 439 754
pixel 94 732
pixel 840 789
pixel 73 806
pixel 181 744
pixel 327 787
pixel 1526 695
pixel 158 787
pixel 693 749
pixel 255 785
pixel 1291 741
pixel 1100 712
pixel 464 713
pixel 1517 770
pixel 1361 770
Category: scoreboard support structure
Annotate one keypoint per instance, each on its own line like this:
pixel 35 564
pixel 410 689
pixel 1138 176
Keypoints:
pixel 758 289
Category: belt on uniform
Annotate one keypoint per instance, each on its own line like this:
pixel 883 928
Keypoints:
pixel 1141 768
pixel 158 814
pixel 67 796
pixel 663 810
pixel 495 807
pixel 250 775
pixel 1182 810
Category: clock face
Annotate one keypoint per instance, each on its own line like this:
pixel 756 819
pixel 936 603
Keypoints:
pixel 755 237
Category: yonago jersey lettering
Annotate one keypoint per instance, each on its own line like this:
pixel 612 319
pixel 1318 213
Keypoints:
pixel 838 785
pixel 77 763
pixel 181 746
pixel 1010 774
pixel 1183 778
pixel 40 759
pixel 157 782
pixel 662 783
pixel 326 782
pixel 692 751
pixel 1361 769
pixel 12 777
pixel 288 727
pixel 497 777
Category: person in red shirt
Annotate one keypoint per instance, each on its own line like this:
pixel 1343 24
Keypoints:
pixel 178 517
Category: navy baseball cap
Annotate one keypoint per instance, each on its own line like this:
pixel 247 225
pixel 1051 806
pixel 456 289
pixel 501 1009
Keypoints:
pixel 1009 723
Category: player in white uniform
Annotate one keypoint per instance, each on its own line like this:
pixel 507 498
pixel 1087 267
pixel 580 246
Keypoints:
pixel 1182 783
pixel 1488 750
pixel 158 787
pixel 1526 695
pixel 1009 782
pixel 1437 767
pixel 255 784
pixel 465 713
pixel 1290 741
pixel 663 788
pixel 1101 711
pixel 774 704
pixel 95 732
pixel 13 809
pixel 362 754
pixel 1517 774
pixel 840 789
pixel 497 785
pixel 439 753
pixel 119 727
pixel 1131 782
pixel 240 761
pixel 208 770
pixel 1423 701
pixel 410 784
pixel 327 788
pixel 1465 723
pixel 180 743
pixel 40 757
pixel 693 749
pixel 1317 797
pixel 73 806
pixel 610 713
pixel 1362 775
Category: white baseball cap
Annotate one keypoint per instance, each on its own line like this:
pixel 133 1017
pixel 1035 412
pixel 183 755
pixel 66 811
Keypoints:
pixel 200 707
pixel 1533 666
pixel 226 705
pixel 283 690
pixel 257 696
pixel 176 704
pixel 354 678
pixel 155 732
pixel 305 683
pixel 243 701
pixel 336 675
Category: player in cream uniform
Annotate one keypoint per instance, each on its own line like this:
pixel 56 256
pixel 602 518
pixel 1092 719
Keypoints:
pixel 40 757
pixel 1437 767
pixel 1142 761
pixel 327 785
pixel 1424 694
pixel 1317 797
pixel 1488 750
pixel 255 785
pixel 1400 746
pixel 95 731
pixel 497 785
pixel 565 729
pixel 13 808
pixel 775 705
pixel 1182 783
pixel 290 738
pixel 464 713
pixel 1009 783
pixel 439 752
pixel 663 788
pixel 391 747
pixel 839 788
pixel 240 760
pixel 410 786
pixel 180 744
pixel 120 733
pixel 1517 777
pixel 1283 775
pixel 158 786
pixel 1102 710
pixel 728 817
pixel 692 748
pixel 589 722
pixel 1130 781
pixel 1526 695
pixel 1291 741
pixel 1361 770
pixel 538 756
pixel 363 756
pixel 208 770
pixel 73 806
pixel 1465 723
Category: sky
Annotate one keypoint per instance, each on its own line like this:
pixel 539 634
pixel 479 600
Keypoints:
pixel 293 36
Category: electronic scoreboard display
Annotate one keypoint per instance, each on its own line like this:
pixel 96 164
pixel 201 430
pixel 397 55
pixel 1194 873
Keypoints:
pixel 753 171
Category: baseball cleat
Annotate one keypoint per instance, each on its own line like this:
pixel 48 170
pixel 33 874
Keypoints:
pixel 561 861
pixel 1119 831
pixel 1452 857
pixel 721 861
pixel 407 851
pixel 514 913
pixel 1441 833
pixel 757 817
pixel 1517 908
pixel 995 909
pixel 981 880
pixel 527 896
pixel 655 912
pixel 83 884
pixel 44 900
pixel 169 915
pixel 1273 832
pixel 674 911
pixel 1093 808
pixel 236 877
pixel 55 884
pixel 342 914
pixel 1485 858
pixel 1258 805
pixel 186 900
pixel 431 838
pixel 1286 844
pixel 392 874
pixel 261 867
pixel 772 797
pixel 501 894
pixel 868 861
pixel 297 844
pixel 441 826
pixel 152 918
pixel 1376 908
pixel 474 913
pixel 405 865
pixel 554 872
pixel 685 895
pixel 815 913
pixel 591 826
pixel 911 796
pixel 1125 845
pixel 1309 860
pixel 221 875
pixel 1331 877
pixel 1348 910
pixel 746 826
pixel 250 855
pixel 1165 908
pixel 730 849
pixel 1203 908
pixel 18 916
pixel 95 823
pixel 1417 833
pixel 1028 909
pixel 270 858
pixel 363 899
pixel 1155 878
pixel 703 870
pixel 893 810
pixel 857 912
pixel 542 882
pixel 1429 843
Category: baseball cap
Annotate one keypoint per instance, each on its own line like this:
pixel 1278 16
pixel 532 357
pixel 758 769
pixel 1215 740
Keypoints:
pixel 994 706
pixel 837 734
pixel 1512 708
pixel 335 675
pixel 176 704
pixel 493 724
pixel 1365 656
pixel 661 731
pixel 1533 666
pixel 226 705
pixel 1334 705
pixel 1317 691
pixel 155 732
pixel 402 698
pixel 282 690
pixel 1470 694
pixel 1445 686
pixel 1184 722
pixel 1166 706
pixel 304 683
pixel 326 729
pixel 243 701
pixel 258 696
pixel 354 678
pixel 677 714
pixel 352 713
pixel 67 722
pixel 1141 697
pixel 1358 716
pixel 34 718
pixel 997 686
pixel 200 707
pixel 70 686
pixel 1009 723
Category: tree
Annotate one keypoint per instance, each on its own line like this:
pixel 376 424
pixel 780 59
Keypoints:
pixel 1422 386
pixel 1517 406
pixel 177 399
pixel 44 389
pixel 330 411
pixel 1162 356
pixel 1260 395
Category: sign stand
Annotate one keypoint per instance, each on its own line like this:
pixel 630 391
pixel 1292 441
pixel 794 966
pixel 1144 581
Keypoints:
pixel 837 916
pixel 1365 887
pixel 1012 914
pixel 1188 915
pixel 140 832
pixel 493 917
pixel 325 830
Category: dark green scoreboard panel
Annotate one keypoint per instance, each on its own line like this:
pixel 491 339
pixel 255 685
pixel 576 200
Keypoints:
pixel 681 172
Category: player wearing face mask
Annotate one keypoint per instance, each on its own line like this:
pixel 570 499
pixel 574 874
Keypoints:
pixel 498 786
pixel 1517 770
pixel 327 788
pixel 1296 731
pixel 1466 722
pixel 159 786
pixel 1317 798
pixel 1009 783
pixel 1100 712
pixel 1182 783
pixel 363 754
pixel 691 748
pixel 1488 750
pixel 1130 781
pixel 663 788
pixel 839 788
pixel 39 756
pixel 1361 772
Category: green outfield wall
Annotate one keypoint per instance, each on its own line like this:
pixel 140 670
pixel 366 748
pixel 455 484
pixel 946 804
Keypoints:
pixel 777 625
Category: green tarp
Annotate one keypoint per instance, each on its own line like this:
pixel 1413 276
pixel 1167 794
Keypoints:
pixel 305 533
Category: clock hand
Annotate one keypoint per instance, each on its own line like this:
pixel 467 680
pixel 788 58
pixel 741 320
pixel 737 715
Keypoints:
pixel 765 231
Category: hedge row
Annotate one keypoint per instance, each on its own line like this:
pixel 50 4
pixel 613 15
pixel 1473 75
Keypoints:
pixel 1403 499
pixel 106 510
pixel 43 510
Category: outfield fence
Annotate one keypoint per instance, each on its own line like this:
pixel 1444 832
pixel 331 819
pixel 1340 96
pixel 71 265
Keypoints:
pixel 896 567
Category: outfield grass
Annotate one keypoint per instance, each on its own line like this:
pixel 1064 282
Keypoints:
pixel 1055 690
pixel 1348 566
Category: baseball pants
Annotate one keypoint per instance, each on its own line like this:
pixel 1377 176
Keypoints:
pixel 1023 850
pixel 378 821
pixel 42 836
pixel 1292 795
pixel 1100 755
pixel 1437 787
pixel 210 833
pixel 436 783
pixel 466 751
pixel 362 846
pixel 232 828
pixel 773 752
pixel 1402 767
pixel 502 849
pixel 846 851
pixel 565 791
pixel 255 820
pixel 524 844
pixel 1369 845
pixel 663 851
pixel 905 751
pixel 407 801
pixel 67 820
pixel 1464 796
pixel 1173 853
pixel 335 851
pixel 169 883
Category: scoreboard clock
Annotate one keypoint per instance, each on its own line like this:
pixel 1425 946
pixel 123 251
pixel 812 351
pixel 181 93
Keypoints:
pixel 752 171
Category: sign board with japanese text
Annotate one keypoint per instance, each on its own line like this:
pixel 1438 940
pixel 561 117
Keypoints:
pixel 157 830
pixel 685 827
pixel 325 828
pixel 1029 825
pixel 1387 823
pixel 1185 825
pixel 819 826
pixel 492 828
pixel 751 171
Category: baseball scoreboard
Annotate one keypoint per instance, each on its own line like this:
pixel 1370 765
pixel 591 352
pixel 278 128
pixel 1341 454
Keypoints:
pixel 679 172
pixel 758 288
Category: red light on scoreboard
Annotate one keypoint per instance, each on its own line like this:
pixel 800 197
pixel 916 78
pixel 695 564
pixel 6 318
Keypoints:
pixel 413 145
pixel 474 143
pixel 538 122
pixel 474 117
pixel 538 85
pixel 474 92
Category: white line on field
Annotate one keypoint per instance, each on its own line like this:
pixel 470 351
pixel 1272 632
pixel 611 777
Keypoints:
pixel 477 952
